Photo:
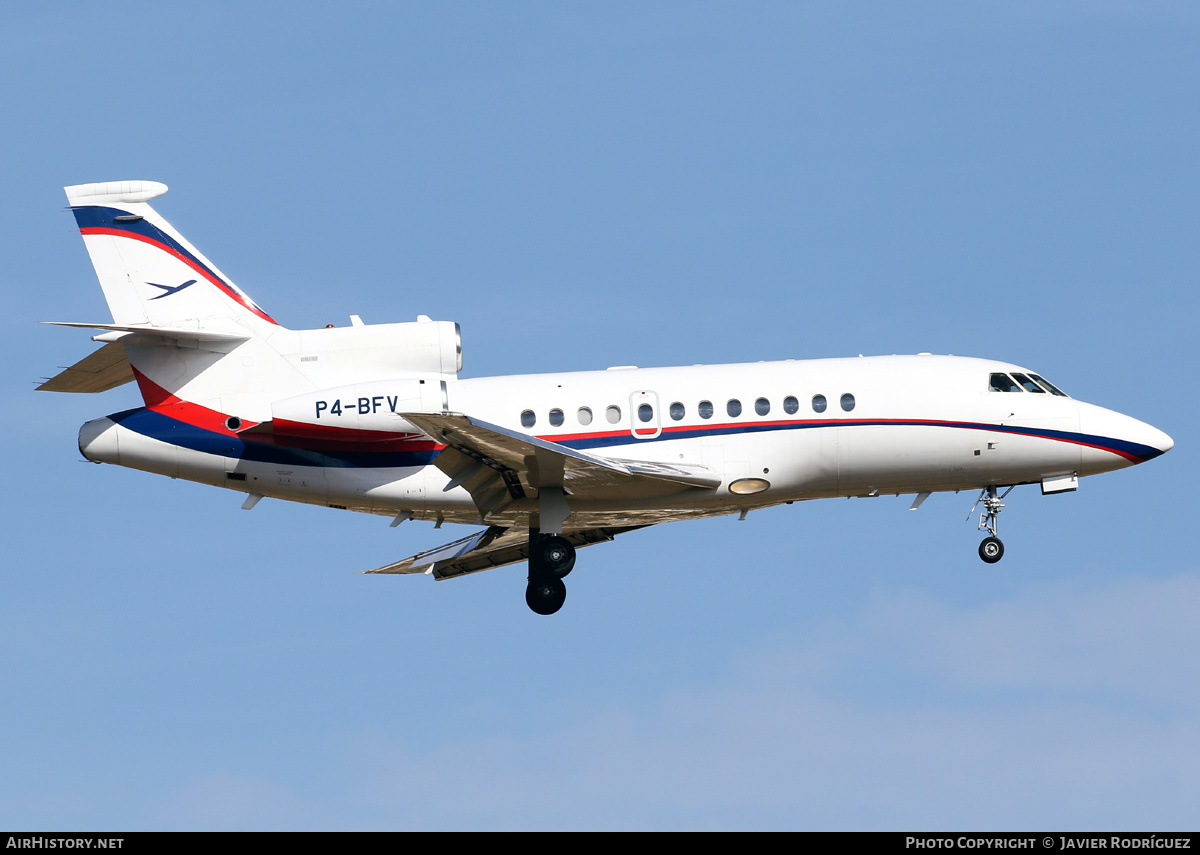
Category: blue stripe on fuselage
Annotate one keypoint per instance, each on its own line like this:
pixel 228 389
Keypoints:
pixel 1116 446
pixel 166 429
pixel 162 427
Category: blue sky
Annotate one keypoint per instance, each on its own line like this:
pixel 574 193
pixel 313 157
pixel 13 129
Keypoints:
pixel 588 185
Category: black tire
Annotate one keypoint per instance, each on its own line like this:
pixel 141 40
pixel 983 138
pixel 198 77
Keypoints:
pixel 991 550
pixel 554 555
pixel 546 595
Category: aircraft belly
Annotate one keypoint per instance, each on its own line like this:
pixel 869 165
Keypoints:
pixel 805 463
pixel 887 458
pixel 305 484
pixel 381 490
pixel 691 497
pixel 200 467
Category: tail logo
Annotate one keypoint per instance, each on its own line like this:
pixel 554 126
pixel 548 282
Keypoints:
pixel 168 290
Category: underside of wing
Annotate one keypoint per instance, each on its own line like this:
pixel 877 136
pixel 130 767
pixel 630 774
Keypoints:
pixel 99 371
pixel 494 547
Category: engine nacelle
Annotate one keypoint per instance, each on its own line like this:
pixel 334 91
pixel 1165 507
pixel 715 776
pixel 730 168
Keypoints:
pixel 339 355
pixel 359 412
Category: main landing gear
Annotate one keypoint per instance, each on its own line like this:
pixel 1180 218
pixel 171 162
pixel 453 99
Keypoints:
pixel 991 549
pixel 551 558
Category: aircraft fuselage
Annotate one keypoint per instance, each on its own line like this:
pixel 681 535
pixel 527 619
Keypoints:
pixel 773 431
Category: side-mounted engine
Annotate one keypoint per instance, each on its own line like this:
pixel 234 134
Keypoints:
pixel 338 356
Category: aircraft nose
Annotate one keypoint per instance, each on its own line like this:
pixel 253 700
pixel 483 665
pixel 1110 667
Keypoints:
pixel 1163 442
pixel 1153 441
pixel 1123 435
pixel 98 441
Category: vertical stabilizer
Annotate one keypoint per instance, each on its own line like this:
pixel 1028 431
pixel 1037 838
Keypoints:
pixel 179 320
pixel 150 274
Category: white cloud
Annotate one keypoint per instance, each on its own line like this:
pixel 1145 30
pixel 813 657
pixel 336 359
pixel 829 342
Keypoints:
pixel 1067 708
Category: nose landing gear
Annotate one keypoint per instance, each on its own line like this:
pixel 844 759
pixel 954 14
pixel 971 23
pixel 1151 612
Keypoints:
pixel 991 549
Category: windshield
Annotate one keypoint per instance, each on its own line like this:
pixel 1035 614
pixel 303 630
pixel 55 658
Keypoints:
pixel 1018 382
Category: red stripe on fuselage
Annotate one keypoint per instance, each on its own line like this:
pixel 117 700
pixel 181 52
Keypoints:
pixel 161 401
pixel 330 438
pixel 720 427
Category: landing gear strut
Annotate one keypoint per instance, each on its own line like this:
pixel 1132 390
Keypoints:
pixel 991 549
pixel 550 559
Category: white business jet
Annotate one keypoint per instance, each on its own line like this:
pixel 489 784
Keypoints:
pixel 374 418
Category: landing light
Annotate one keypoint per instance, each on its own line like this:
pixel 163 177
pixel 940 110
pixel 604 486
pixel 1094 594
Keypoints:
pixel 749 486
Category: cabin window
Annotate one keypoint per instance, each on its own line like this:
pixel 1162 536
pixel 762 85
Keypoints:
pixel 1054 390
pixel 762 406
pixel 734 408
pixel 677 411
pixel 1029 385
pixel 847 402
pixel 528 419
pixel 819 403
pixel 645 412
pixel 705 409
pixel 791 406
pixel 1002 383
pixel 584 415
pixel 613 414
pixel 556 417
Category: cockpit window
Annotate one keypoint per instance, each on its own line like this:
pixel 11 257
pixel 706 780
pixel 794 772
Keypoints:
pixel 1002 383
pixel 1029 385
pixel 1054 390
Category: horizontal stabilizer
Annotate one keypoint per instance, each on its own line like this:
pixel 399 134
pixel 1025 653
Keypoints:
pixel 493 547
pixel 161 331
pixel 106 368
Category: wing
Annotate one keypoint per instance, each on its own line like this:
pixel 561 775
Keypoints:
pixel 495 464
pixel 104 369
pixel 483 550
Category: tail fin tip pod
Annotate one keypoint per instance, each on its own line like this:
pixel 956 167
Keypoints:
pixel 149 272
pixel 113 192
